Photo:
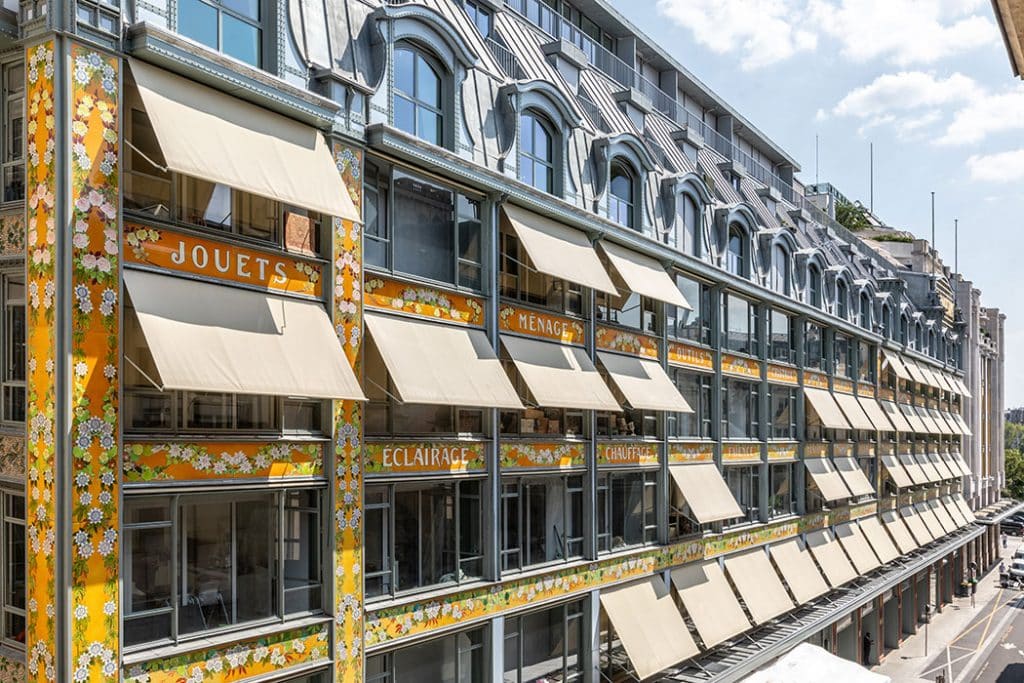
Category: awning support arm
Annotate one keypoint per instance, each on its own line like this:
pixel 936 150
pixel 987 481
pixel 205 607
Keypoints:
pixel 142 372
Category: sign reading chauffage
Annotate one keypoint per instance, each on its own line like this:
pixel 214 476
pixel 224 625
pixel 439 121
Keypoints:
pixel 187 253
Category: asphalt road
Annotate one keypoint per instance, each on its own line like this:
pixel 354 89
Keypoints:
pixel 1003 661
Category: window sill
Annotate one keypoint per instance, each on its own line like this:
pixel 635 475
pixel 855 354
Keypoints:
pixel 12 653
pixel 220 640
pixel 232 436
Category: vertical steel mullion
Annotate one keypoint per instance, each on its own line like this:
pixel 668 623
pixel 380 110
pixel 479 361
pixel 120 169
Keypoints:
pixel 175 538
pixel 279 546
pixel 234 561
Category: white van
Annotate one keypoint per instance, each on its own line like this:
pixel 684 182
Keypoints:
pixel 1018 554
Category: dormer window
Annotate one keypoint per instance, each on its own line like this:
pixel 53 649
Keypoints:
pixel 537 152
pixel 622 196
pixel 736 252
pixel 418 103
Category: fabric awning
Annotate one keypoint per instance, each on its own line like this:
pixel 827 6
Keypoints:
pixel 895 416
pixel 643 275
pixel 930 520
pixel 915 372
pixel 916 425
pixel 798 569
pixel 808 662
pixel 643 383
pixel 913 469
pixel 896 472
pixel 947 384
pixel 829 555
pixel 758 584
pixel 926 420
pixel 899 532
pixel 964 507
pixel 853 477
pixel 954 511
pixel 217 338
pixel 943 468
pixel 951 464
pixel 558 250
pixel 945 520
pixel 946 423
pixel 208 134
pixel 433 363
pixel 826 408
pixel 827 479
pixel 855 415
pixel 961 387
pixel 705 492
pixel 965 429
pixel 559 376
pixel 929 376
pixel 953 422
pixel 875 414
pixel 961 464
pixel 857 548
pixel 915 523
pixel 896 363
pixel 930 472
pixel 710 602
pixel 649 625
pixel 879 539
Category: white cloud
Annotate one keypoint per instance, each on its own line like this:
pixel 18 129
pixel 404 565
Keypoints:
pixel 985 115
pixel 905 91
pixel 1001 167
pixel 764 31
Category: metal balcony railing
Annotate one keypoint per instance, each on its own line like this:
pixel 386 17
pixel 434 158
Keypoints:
pixel 507 60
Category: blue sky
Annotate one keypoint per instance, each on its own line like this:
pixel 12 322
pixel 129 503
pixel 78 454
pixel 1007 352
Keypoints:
pixel 927 81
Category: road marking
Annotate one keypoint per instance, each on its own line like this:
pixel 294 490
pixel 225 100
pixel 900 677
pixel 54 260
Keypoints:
pixel 995 607
pixel 1007 646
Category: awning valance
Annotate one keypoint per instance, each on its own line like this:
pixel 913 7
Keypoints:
pixel 710 602
pixel 643 383
pixel 898 531
pixel 855 415
pixel 649 625
pixel 853 477
pixel 896 472
pixel 895 416
pixel 705 492
pixel 217 338
pixel 857 548
pixel 758 584
pixel 894 361
pixel 559 376
pixel 827 479
pixel 875 413
pixel 826 408
pixel 441 364
pixel 208 134
pixel 558 250
pixel 915 523
pixel 879 539
pixel 798 569
pixel 917 475
pixel 643 275
pixel 829 555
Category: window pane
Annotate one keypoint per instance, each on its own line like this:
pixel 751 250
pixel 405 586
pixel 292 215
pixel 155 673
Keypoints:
pixel 208 564
pixel 198 21
pixel 255 412
pixel 241 40
pixel 428 125
pixel 255 539
pixel 302 582
pixel 303 416
pixel 423 228
pixel 247 8
pixel 405 115
pixel 207 411
pixel 428 84
pixel 405 78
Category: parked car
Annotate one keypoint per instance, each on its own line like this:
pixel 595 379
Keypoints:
pixel 1018 554
pixel 1009 526
pixel 1017 570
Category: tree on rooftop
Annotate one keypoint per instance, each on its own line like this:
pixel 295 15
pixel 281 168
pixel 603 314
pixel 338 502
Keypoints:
pixel 851 216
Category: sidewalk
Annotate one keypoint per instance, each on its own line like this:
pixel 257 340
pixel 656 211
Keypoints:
pixel 910 664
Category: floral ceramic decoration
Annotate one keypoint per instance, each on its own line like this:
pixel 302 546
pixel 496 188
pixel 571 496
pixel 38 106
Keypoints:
pixel 12 458
pixel 12 235
pixel 614 339
pixel 423 302
pixel 199 461
pixel 536 455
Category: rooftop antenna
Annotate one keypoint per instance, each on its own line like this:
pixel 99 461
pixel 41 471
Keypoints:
pixel 932 255
pixel 815 158
pixel 871 192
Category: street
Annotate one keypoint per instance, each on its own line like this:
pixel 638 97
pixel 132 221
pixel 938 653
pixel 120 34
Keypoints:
pixel 1002 660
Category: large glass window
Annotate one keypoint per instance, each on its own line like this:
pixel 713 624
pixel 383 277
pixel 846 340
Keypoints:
pixel 783 407
pixel 736 252
pixel 420 534
pixel 814 347
pixel 13 376
pixel 866 362
pixel 740 318
pixel 696 389
pixel 782 496
pixel 745 485
pixel 843 365
pixel 14 131
pixel 780 337
pixel 196 563
pixel 544 646
pixel 537 152
pixel 419 95
pixel 481 17
pixel 541 521
pixel 694 323
pixel 780 270
pixel 519 280
pixel 232 27
pixel 626 504
pixel 740 410
pixel 12 602
pixel 635 311
pixel 689 220
pixel 622 196
pixel 457 658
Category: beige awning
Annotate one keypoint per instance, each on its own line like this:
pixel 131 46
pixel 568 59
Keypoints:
pixel 961 464
pixel 896 472
pixel 948 426
pixel 954 511
pixel 955 423
pixel 930 520
pixel 939 422
pixel 895 416
pixel 899 532
pixel 930 472
pixel 915 372
pixel 649 625
pixel 922 415
pixel 964 507
pixel 710 602
pixel 944 470
pixel 929 376
pixel 916 425
pixel 915 523
pixel 945 520
pixel 855 415
pixel 643 275
pixel 558 250
pixel 826 408
pixel 896 364
pixel 854 477
pixel 643 383
pixel 705 492
pixel 951 464
pixel 827 479
pixel 211 135
pixel 217 338
pixel 798 569
pixel 559 376
pixel 829 555
pixel 961 387
pixel 857 548
pixel 947 384
pixel 879 539
pixel 913 469
pixel 433 363
pixel 758 584
pixel 965 429
pixel 875 414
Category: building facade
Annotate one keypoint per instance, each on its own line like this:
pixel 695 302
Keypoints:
pixel 454 341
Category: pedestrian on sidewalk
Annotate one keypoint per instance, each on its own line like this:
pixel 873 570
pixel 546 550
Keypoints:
pixel 868 642
pixel 1004 540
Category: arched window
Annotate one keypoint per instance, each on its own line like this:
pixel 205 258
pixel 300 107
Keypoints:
pixel 918 336
pixel 814 285
pixel 865 311
pixel 736 252
pixel 887 322
pixel 621 198
pixel 933 347
pixel 842 300
pixel 537 152
pixel 418 95
pixel 780 269
pixel 689 225
pixel 905 331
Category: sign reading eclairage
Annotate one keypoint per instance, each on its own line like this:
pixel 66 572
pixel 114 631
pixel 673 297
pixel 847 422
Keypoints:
pixel 187 253
pixel 425 457
pixel 544 325
pixel 627 454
